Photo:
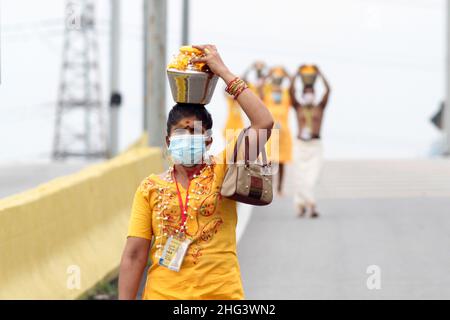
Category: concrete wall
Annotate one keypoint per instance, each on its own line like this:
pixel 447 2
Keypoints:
pixel 69 229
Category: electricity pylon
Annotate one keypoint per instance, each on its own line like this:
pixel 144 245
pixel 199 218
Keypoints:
pixel 80 117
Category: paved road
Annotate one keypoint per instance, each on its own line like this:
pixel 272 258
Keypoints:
pixel 403 227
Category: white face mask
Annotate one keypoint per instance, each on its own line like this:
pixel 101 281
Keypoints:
pixel 308 98
pixel 187 150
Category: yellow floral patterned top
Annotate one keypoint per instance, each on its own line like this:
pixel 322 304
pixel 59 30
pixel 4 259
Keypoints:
pixel 210 269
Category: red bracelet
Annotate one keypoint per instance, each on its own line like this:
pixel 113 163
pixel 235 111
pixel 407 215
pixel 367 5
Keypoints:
pixel 227 89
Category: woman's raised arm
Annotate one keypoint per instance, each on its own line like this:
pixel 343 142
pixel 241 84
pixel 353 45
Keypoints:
pixel 259 116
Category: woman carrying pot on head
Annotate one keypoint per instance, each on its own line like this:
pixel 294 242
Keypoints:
pixel 193 226
pixel 255 75
pixel 234 119
pixel 276 97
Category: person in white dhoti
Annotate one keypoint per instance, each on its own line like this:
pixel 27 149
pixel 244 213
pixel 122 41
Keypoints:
pixel 308 150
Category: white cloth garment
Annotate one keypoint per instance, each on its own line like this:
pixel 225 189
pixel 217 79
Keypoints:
pixel 308 165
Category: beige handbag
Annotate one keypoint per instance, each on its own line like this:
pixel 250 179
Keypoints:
pixel 248 182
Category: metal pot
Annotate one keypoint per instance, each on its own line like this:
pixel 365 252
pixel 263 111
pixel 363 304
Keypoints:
pixel 308 74
pixel 192 86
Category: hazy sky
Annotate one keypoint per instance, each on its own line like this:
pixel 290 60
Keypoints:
pixel 385 61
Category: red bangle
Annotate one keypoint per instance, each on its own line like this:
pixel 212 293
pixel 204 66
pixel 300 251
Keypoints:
pixel 227 89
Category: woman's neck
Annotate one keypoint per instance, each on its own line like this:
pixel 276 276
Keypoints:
pixel 188 172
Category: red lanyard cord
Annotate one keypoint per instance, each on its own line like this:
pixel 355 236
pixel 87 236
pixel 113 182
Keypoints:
pixel 183 207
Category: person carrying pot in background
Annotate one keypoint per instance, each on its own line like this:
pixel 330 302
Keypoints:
pixel 234 119
pixel 308 152
pixel 275 94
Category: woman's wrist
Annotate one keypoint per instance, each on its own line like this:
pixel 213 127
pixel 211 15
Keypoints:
pixel 227 76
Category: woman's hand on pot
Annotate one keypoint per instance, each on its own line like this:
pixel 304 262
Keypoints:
pixel 214 61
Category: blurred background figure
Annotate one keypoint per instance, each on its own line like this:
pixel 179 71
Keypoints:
pixel 275 94
pixel 308 146
pixel 253 75
pixel 234 118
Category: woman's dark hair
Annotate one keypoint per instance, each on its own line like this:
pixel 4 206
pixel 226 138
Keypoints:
pixel 184 110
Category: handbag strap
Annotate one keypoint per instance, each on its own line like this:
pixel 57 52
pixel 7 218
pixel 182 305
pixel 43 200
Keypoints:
pixel 238 144
pixel 242 135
